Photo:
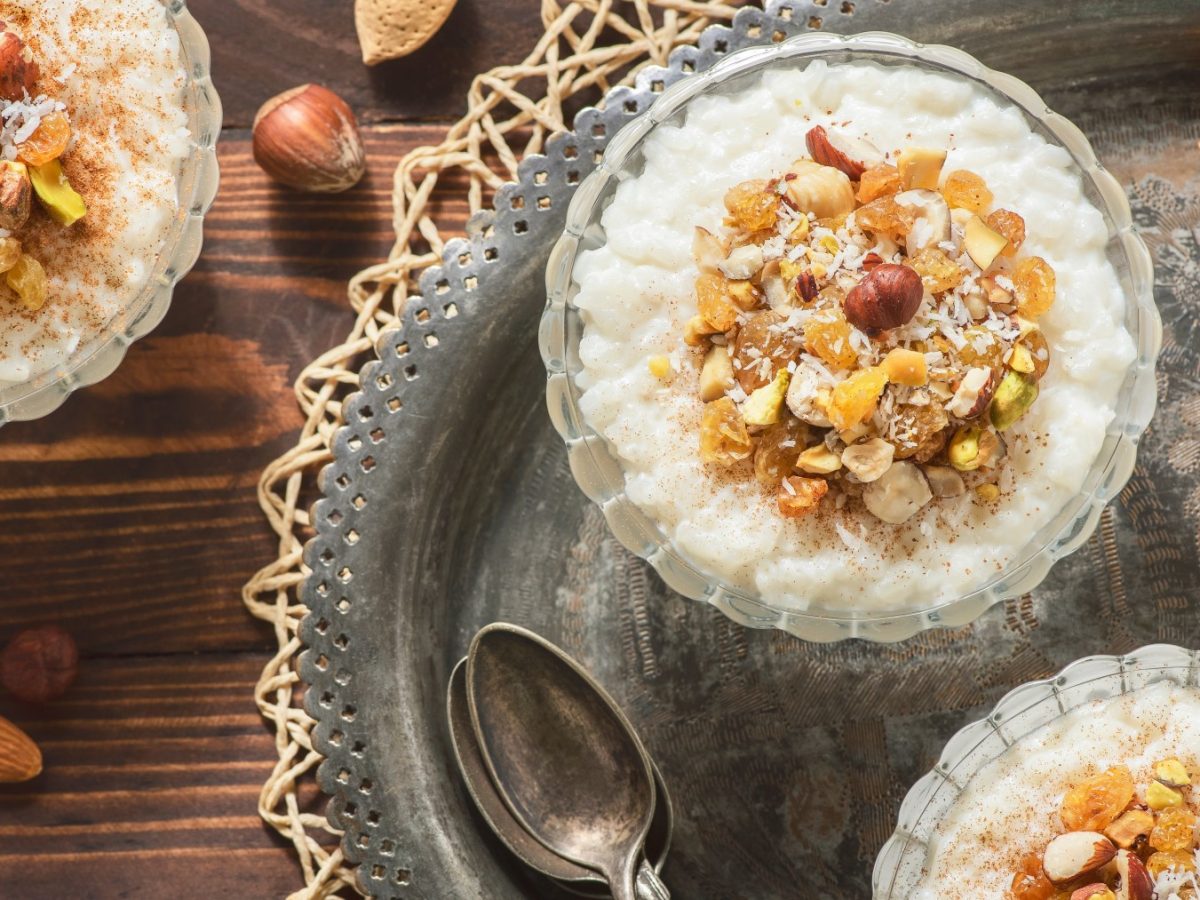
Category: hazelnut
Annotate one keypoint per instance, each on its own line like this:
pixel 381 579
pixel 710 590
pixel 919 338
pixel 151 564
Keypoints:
pixel 848 154
pixel 870 459
pixel 944 481
pixel 18 70
pixel 39 664
pixel 887 297
pixel 1076 853
pixel 897 495
pixel 16 195
pixel 821 190
pixel 307 138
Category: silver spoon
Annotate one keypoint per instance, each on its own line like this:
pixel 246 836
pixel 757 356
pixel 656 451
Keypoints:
pixel 511 833
pixel 561 754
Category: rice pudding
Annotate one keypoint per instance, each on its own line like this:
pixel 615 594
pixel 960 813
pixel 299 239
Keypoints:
pixel 95 132
pixel 1098 805
pixel 853 335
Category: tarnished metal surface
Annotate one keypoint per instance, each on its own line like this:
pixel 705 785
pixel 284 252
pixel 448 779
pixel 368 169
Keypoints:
pixel 450 505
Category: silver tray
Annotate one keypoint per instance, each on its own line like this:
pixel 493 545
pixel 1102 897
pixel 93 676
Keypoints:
pixel 450 505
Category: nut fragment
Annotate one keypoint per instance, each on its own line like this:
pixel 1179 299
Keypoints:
pixel 821 190
pixel 805 398
pixel 1136 883
pixel 20 758
pixel 888 297
pixel 716 375
pixel 870 459
pixel 764 405
pixel 1172 773
pixel 742 262
pixel 931 223
pixel 54 190
pixel 1074 854
pixel 906 367
pixel 944 481
pixel 819 460
pixel 981 243
pixel 707 249
pixel 1097 891
pixel 18 70
pixel 1159 796
pixel 39 664
pixel 898 494
pixel 1129 827
pixel 697 331
pixel 842 151
pixel 307 138
pixel 920 167
pixel 16 195
pixel 973 394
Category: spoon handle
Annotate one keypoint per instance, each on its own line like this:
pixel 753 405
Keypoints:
pixel 649 885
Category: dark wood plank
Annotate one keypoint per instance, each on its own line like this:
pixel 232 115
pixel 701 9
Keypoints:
pixel 262 47
pixel 153 769
pixel 130 515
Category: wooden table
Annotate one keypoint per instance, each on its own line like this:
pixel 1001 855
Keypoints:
pixel 130 517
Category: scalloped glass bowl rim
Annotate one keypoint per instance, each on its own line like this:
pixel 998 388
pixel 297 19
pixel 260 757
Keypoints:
pixel 982 741
pixel 599 475
pixel 198 180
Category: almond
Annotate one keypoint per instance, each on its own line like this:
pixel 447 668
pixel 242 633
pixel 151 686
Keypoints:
pixel 887 297
pixel 1098 891
pixel 973 394
pixel 1076 853
pixel 18 70
pixel 841 151
pixel 20 758
pixel 1136 883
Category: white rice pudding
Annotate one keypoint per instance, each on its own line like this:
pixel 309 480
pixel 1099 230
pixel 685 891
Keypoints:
pixel 1010 808
pixel 117 67
pixel 636 294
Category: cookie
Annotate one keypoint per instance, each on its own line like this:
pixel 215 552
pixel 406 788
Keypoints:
pixel 388 29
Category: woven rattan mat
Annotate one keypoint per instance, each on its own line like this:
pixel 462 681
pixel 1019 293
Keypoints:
pixel 588 47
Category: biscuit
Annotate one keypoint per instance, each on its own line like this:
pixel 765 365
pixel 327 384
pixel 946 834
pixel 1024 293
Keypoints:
pixel 388 29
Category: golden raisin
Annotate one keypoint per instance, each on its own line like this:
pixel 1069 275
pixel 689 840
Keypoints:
pixel 28 279
pixel 724 439
pixel 763 337
pixel 878 181
pixel 1034 280
pixel 938 271
pixel 1030 882
pixel 1179 860
pixel 887 217
pixel 966 190
pixel 1175 829
pixel 1010 225
pixel 752 206
pixel 48 142
pixel 712 299
pixel 1039 351
pixel 10 252
pixel 921 431
pixel 779 446
pixel 1094 804
pixel 827 336
pixel 855 399
pixel 983 348
pixel 798 496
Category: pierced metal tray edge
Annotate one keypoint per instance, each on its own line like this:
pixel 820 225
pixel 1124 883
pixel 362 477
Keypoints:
pixel 448 293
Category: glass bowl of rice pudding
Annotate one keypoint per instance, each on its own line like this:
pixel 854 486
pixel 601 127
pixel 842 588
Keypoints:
pixel 1082 786
pixel 850 337
pixel 107 167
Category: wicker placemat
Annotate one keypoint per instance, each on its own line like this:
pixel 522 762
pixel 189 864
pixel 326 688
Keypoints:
pixel 588 47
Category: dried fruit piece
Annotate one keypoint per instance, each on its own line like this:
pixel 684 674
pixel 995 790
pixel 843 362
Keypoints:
pixel 1171 772
pixel 855 399
pixel 821 190
pixel 48 142
pixel 920 431
pixel 777 450
pixel 1159 796
pixel 762 348
pixel 724 439
pixel 819 460
pixel 752 205
pixel 1126 830
pixel 898 494
pixel 659 366
pixel 966 190
pixel 888 297
pixel 1095 803
pixel 1011 226
pixel 28 279
pixel 1074 854
pixel 906 367
pixel 982 244
pixel 1034 281
pixel 1168 860
pixel 799 496
pixel 764 405
pixel 1174 830
pixel 713 302
pixel 10 253
pixel 983 348
pixel 878 181
pixel 827 336
pixel 884 216
pixel 920 167
pixel 938 271
pixel 1030 881
pixel 1014 396
pixel 716 375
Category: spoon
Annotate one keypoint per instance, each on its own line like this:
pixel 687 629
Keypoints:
pixel 511 833
pixel 561 754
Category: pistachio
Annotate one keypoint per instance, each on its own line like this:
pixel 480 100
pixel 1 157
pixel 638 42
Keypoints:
pixel 763 406
pixel 53 188
pixel 1159 796
pixel 1014 395
pixel 870 459
pixel 1021 360
pixel 964 449
pixel 819 460
pixel 1172 773
pixel 898 494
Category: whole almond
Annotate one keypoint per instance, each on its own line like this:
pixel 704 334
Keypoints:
pixel 850 155
pixel 20 758
pixel 18 70
pixel 1076 853
pixel 887 297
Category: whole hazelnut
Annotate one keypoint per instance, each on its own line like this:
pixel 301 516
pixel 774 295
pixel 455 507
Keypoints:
pixel 16 195
pixel 307 138
pixel 39 664
pixel 887 297
pixel 19 71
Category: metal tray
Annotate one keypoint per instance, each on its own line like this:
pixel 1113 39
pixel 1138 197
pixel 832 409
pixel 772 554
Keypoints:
pixel 450 505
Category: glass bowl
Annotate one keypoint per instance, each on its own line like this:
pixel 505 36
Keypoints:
pixel 595 464
pixel 96 359
pixel 901 863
